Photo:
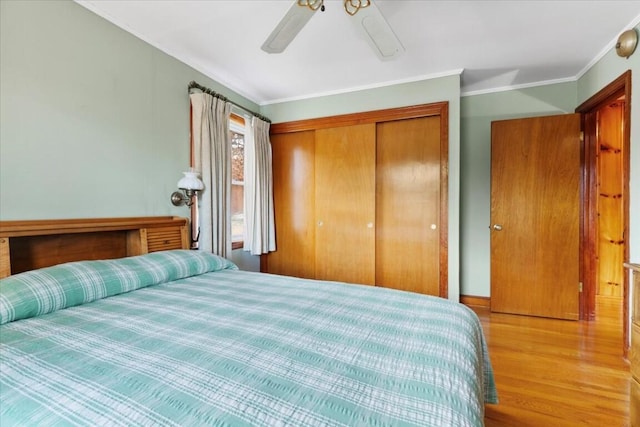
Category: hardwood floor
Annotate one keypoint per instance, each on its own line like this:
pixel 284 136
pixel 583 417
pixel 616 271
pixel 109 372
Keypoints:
pixel 556 372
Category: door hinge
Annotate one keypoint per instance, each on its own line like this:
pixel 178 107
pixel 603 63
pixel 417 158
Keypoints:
pixel 581 136
pixel 579 286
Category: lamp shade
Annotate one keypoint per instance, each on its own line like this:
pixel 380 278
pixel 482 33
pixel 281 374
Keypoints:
pixel 190 181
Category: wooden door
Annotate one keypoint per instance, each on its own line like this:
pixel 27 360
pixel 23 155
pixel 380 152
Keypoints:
pixel 408 205
pixel 294 205
pixel 345 203
pixel 535 177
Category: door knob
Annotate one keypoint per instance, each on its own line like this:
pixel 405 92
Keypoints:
pixel 497 227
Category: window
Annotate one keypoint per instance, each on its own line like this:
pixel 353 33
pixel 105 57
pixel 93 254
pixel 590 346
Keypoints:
pixel 237 129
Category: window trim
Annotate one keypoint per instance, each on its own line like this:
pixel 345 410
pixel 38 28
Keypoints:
pixel 237 124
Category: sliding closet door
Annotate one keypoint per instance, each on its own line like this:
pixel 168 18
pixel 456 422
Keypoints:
pixel 345 203
pixel 408 205
pixel 294 205
pixel 368 202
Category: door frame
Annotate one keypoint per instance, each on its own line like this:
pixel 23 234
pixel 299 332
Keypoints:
pixel 588 224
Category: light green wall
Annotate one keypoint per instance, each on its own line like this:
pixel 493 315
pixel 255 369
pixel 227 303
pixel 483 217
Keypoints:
pixel 476 114
pixel 94 120
pixel 446 88
pixel 414 93
pixel 610 67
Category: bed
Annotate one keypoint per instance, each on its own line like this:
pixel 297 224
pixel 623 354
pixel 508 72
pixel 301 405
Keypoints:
pixel 184 338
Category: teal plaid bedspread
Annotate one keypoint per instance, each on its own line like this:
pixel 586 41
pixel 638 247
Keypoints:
pixel 233 348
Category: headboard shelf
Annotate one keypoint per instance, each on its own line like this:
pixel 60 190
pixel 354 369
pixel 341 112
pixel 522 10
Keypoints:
pixel 27 245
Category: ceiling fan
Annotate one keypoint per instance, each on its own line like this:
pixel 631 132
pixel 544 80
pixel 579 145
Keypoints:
pixel 364 14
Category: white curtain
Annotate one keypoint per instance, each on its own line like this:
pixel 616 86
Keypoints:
pixel 260 237
pixel 212 158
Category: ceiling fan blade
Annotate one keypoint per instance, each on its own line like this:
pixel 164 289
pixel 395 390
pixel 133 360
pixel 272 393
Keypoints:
pixel 378 33
pixel 288 28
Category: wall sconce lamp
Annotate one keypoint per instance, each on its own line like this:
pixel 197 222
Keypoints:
pixel 190 184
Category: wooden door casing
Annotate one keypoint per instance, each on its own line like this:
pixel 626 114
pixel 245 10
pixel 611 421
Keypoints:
pixel 535 201
pixel 408 205
pixel 618 89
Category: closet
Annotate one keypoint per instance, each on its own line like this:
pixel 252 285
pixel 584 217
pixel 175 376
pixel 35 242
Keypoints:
pixel 362 198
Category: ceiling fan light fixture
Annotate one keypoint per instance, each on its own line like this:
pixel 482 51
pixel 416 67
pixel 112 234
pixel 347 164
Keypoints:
pixel 353 6
pixel 370 22
pixel 311 4
pixel 378 33
pixel 383 42
pixel 287 29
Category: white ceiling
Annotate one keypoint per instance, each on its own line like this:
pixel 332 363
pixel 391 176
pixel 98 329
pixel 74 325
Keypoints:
pixel 495 44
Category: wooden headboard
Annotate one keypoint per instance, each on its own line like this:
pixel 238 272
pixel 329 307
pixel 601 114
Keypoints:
pixel 27 245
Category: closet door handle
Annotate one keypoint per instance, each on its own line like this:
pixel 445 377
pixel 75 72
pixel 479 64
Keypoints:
pixel 497 227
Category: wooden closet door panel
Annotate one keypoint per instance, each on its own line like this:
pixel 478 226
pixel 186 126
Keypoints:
pixel 408 205
pixel 345 203
pixel 294 204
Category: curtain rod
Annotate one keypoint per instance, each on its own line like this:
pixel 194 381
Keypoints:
pixel 194 85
